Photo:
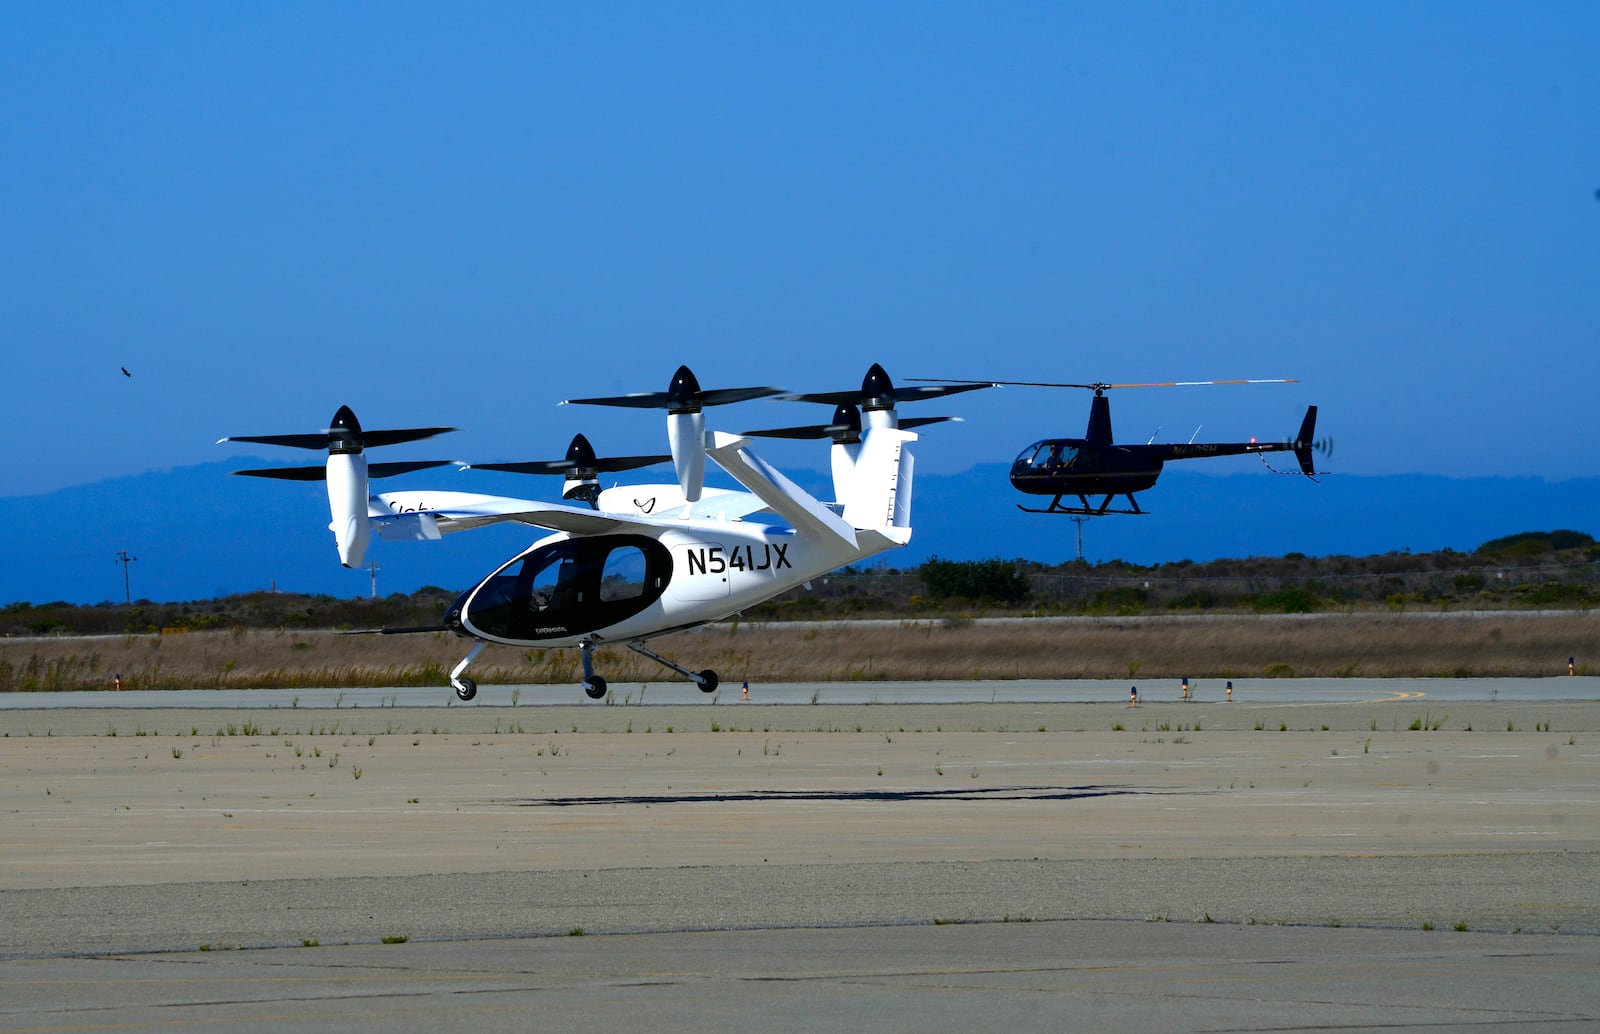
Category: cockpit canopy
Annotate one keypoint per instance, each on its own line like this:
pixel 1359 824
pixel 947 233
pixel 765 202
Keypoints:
pixel 569 587
pixel 1047 454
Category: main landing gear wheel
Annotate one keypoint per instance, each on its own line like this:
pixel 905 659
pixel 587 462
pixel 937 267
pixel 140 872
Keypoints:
pixel 706 680
pixel 466 689
pixel 595 688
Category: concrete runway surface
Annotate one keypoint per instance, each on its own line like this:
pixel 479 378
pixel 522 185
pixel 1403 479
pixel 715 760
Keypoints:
pixel 1332 860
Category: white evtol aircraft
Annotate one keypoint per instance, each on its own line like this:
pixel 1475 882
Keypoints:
pixel 640 561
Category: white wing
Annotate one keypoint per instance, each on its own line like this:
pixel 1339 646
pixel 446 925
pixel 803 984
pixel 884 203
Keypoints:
pixel 426 515
pixel 721 504
pixel 421 515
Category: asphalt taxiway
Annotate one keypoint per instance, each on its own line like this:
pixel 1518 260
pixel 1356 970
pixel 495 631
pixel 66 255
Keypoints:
pixel 1006 691
pixel 1346 856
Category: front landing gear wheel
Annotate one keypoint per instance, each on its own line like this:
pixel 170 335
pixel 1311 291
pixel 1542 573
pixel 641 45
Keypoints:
pixel 708 681
pixel 466 689
pixel 595 688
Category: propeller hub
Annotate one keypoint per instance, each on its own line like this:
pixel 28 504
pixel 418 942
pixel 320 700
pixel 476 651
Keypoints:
pixel 683 394
pixel 344 433
pixel 877 390
pixel 846 425
pixel 580 453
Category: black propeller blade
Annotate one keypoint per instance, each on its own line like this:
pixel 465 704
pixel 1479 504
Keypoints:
pixel 374 470
pixel 879 392
pixel 580 460
pixel 684 400
pixel 581 467
pixel 342 436
pixel 845 428
pixel 683 395
pixel 346 472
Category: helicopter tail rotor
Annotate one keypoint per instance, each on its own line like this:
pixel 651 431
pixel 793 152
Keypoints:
pixel 1305 447
pixel 1303 442
pixel 1306 443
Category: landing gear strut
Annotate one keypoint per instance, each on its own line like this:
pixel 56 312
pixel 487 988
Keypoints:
pixel 466 688
pixel 706 680
pixel 594 687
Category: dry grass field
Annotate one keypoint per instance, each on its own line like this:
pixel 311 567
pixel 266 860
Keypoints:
pixel 1365 644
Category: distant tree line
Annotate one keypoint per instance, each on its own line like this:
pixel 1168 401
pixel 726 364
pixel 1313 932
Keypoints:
pixel 1555 569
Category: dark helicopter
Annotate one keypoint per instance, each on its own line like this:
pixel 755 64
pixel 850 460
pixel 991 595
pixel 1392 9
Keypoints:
pixel 1095 466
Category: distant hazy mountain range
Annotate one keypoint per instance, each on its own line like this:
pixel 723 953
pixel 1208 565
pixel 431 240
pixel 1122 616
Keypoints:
pixel 198 534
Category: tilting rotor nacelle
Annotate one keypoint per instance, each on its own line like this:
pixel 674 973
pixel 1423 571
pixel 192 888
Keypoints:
pixel 346 472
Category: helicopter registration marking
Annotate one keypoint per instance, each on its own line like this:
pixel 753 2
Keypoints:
pixel 716 559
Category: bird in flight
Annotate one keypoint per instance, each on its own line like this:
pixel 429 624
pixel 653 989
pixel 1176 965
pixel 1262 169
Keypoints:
pixel 125 372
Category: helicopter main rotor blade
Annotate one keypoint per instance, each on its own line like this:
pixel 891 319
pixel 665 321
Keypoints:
pixel 1102 385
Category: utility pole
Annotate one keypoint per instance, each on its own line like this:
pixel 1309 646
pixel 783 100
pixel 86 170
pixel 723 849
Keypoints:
pixel 1080 521
pixel 373 569
pixel 124 559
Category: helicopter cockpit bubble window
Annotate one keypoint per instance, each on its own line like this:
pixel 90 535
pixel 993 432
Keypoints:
pixel 571 587
pixel 1047 454
pixel 1026 456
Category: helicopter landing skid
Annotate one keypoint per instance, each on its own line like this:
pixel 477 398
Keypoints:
pixel 1084 509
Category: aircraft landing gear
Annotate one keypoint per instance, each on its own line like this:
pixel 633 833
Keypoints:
pixel 594 687
pixel 466 688
pixel 706 680
pixel 1084 507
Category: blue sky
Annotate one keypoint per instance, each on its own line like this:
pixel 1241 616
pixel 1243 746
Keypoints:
pixel 462 214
